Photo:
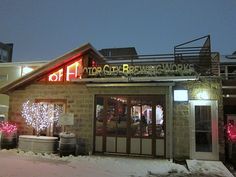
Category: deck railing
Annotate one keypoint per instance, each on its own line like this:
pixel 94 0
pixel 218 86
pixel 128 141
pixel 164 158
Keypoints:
pixel 228 72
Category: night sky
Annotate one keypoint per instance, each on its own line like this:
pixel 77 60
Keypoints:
pixel 45 29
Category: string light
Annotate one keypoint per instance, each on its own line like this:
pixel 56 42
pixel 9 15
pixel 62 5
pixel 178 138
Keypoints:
pixel 231 132
pixel 8 128
pixel 40 115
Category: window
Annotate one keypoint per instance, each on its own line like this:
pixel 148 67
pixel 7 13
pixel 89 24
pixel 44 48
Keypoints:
pixel 135 116
pixel 100 115
pixel 203 128
pixel 116 116
pixel 3 77
pixel 4 55
pixel 58 107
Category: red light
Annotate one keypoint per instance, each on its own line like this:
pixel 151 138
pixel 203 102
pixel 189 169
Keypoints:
pixel 94 64
pixel 56 76
pixel 231 132
pixel 72 71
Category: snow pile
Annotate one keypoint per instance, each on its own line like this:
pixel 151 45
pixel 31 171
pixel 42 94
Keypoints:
pixel 15 163
pixel 208 167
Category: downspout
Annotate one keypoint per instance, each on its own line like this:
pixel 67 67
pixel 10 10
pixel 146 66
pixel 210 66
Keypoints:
pixel 170 123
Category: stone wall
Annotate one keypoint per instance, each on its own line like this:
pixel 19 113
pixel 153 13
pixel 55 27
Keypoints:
pixel 80 101
pixel 181 139
pixel 181 118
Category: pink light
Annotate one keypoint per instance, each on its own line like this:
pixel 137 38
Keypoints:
pixel 231 132
pixel 94 64
pixel 7 128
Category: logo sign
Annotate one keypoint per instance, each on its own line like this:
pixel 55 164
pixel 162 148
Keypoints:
pixel 76 70
pixel 73 70
pixel 141 70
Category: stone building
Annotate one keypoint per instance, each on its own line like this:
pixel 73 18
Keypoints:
pixel 10 71
pixel 167 106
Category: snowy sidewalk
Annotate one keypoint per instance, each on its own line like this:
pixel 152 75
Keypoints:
pixel 14 163
pixel 208 167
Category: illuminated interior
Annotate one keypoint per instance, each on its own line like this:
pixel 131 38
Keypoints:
pixel 129 114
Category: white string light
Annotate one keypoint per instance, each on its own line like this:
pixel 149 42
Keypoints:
pixel 40 115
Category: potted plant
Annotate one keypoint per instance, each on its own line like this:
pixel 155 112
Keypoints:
pixel 39 116
pixel 8 134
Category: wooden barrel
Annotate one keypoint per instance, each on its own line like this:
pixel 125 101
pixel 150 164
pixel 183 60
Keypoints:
pixel 67 145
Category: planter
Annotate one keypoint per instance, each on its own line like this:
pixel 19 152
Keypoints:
pixel 67 144
pixel 8 141
pixel 38 144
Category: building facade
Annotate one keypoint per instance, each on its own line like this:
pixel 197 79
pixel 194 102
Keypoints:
pixel 11 71
pixel 161 106
pixel 5 52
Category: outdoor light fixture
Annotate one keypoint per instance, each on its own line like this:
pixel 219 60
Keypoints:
pixel 26 70
pixel 203 95
pixel 180 95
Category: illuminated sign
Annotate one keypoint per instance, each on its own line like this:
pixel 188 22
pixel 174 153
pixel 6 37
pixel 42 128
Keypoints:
pixel 73 70
pixel 56 76
pixel 76 70
pixel 167 69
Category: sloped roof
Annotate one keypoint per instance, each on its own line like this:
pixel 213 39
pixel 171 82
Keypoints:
pixel 39 72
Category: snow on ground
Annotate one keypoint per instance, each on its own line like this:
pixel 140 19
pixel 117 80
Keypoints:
pixel 208 167
pixel 15 163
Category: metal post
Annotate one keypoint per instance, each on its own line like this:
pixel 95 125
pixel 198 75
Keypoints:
pixel 170 123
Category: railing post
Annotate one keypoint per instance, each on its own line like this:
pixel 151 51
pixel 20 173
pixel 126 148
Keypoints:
pixel 226 73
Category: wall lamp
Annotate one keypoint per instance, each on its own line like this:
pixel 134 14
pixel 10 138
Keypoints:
pixel 180 95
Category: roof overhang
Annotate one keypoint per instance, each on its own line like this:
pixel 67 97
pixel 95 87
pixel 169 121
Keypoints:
pixel 45 69
pixel 137 79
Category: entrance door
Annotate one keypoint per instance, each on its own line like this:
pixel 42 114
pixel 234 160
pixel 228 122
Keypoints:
pixel 204 130
pixel 130 125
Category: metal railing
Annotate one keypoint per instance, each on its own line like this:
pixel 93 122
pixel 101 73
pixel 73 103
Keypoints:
pixel 228 72
pixel 205 62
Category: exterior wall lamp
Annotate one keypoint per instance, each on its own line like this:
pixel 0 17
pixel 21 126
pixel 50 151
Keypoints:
pixel 203 95
pixel 181 95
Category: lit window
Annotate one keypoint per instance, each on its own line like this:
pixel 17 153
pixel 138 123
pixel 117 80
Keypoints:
pixel 59 107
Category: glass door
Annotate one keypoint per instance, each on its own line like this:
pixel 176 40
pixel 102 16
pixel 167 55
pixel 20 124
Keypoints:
pixel 130 124
pixel 204 130
pixel 141 127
